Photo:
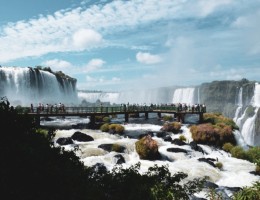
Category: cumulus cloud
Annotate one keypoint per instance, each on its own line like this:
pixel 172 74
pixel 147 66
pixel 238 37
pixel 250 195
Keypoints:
pixel 147 58
pixel 57 64
pixel 94 65
pixel 86 38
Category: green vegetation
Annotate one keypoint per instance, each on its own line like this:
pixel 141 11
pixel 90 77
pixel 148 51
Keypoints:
pixel 216 130
pixel 227 147
pixel 249 193
pixel 182 138
pixel 173 127
pixel 167 118
pixel 112 128
pixel 219 165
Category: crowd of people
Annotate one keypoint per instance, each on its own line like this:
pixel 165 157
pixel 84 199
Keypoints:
pixel 48 108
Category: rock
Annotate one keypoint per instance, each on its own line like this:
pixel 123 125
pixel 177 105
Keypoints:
pixel 82 137
pixel 178 142
pixel 119 159
pixel 177 150
pixel 195 147
pixel 147 148
pixel 112 147
pixel 64 141
pixel 208 160
pixel 209 184
pixel 167 138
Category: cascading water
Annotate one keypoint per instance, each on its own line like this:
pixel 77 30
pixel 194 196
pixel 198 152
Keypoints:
pixel 184 95
pixel 23 86
pixel 239 104
pixel 247 124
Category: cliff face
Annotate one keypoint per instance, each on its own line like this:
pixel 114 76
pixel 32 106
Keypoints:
pixel 222 96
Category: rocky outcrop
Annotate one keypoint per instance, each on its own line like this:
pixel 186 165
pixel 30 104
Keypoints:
pixel 221 96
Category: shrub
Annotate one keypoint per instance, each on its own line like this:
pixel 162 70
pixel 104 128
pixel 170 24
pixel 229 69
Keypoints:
pixel 116 128
pixel 227 147
pixel 105 127
pixel 167 118
pixel 182 138
pixel 253 155
pixel 238 152
pixel 219 165
pixel 173 127
pixel 106 119
pixel 217 118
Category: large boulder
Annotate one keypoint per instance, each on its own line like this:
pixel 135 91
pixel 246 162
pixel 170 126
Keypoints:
pixel 82 137
pixel 147 148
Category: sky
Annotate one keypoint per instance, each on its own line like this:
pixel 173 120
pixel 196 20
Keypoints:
pixel 124 45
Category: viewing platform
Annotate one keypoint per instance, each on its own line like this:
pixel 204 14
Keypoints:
pixel 91 112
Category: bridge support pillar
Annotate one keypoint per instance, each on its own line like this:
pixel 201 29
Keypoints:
pixel 37 120
pixel 126 117
pixel 180 117
pixel 159 115
pixel 200 117
pixel 92 121
pixel 146 115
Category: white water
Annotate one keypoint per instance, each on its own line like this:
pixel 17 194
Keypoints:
pixel 22 86
pixel 239 104
pixel 247 125
pixel 184 95
pixel 92 97
pixel 230 175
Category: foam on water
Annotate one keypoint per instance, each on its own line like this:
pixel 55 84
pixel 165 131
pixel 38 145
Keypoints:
pixel 230 175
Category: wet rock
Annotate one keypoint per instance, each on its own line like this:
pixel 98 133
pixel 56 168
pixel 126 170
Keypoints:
pixel 82 137
pixel 208 160
pixel 119 159
pixel 64 141
pixel 209 184
pixel 177 150
pixel 167 138
pixel 195 147
pixel 178 142
pixel 112 147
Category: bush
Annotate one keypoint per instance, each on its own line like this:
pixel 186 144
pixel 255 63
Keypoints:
pixel 106 119
pixel 167 118
pixel 217 118
pixel 219 165
pixel 173 127
pixel 116 128
pixel 105 127
pixel 182 138
pixel 238 152
pixel 227 147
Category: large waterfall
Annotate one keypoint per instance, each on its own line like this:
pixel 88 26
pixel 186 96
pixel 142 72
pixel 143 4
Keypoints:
pixel 246 121
pixel 184 95
pixel 23 86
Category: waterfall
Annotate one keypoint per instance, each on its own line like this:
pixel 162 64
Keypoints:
pixel 247 124
pixel 23 86
pixel 239 104
pixel 92 97
pixel 248 130
pixel 184 95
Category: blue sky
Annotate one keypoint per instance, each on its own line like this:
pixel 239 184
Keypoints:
pixel 121 45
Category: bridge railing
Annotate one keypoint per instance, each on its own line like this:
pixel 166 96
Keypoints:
pixel 106 109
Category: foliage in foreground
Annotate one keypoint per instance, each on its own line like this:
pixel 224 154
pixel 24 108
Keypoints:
pixel 31 168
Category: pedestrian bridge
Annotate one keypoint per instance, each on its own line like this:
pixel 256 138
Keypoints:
pixel 92 112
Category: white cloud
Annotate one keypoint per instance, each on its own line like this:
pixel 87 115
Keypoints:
pixel 94 64
pixel 57 64
pixel 208 6
pixel 85 38
pixel 147 58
